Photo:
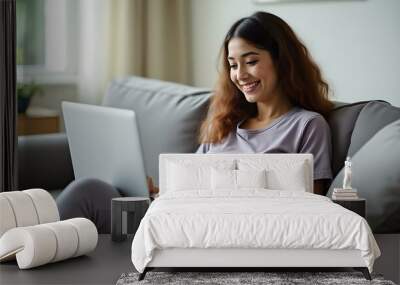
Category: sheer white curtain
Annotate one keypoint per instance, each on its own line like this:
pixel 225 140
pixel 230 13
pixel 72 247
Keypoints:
pixel 131 37
pixel 93 51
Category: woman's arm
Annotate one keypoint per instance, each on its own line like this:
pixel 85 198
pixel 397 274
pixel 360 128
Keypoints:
pixel 152 189
pixel 316 140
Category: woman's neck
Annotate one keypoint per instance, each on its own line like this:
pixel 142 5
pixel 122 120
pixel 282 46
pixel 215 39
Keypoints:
pixel 274 108
pixel 267 112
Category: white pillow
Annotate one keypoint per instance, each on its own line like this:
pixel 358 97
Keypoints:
pixel 292 179
pixel 186 175
pixel 251 179
pixel 282 174
pixel 183 178
pixel 225 179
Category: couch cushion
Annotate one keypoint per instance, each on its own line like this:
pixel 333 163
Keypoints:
pixel 372 118
pixel 376 175
pixel 168 115
pixel 341 121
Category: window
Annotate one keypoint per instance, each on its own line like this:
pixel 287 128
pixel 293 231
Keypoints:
pixel 30 32
pixel 47 40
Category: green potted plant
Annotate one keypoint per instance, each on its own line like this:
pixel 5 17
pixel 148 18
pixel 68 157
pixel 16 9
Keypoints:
pixel 25 92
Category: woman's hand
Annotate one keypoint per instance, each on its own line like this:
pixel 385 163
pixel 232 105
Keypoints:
pixel 152 189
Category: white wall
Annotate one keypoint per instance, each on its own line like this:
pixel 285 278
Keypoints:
pixel 356 43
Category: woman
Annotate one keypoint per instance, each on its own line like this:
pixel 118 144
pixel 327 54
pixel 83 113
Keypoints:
pixel 270 98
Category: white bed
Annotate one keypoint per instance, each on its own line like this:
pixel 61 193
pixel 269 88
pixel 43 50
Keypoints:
pixel 206 220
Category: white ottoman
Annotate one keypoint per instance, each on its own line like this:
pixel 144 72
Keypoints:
pixel 31 232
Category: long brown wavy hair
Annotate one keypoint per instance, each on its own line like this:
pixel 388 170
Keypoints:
pixel 299 77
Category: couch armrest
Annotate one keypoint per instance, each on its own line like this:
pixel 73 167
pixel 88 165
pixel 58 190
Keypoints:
pixel 44 161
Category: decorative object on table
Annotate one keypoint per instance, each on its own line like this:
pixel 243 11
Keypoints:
pixel 347 174
pixel 347 192
pixel 358 205
pixel 243 278
pixel 135 208
pixel 25 92
pixel 344 194
pixel 31 233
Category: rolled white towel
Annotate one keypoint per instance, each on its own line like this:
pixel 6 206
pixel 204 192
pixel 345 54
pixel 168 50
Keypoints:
pixel 40 244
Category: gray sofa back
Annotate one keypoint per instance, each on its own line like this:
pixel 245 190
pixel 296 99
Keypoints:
pixel 168 115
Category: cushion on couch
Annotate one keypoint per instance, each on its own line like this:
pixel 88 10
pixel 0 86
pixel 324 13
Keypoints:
pixel 168 115
pixel 373 117
pixel 376 175
pixel 341 122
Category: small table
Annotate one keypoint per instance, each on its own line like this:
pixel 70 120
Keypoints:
pixel 358 206
pixel 135 208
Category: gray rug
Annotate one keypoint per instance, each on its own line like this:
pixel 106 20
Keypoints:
pixel 270 278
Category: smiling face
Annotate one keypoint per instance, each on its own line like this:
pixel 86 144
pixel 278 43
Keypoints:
pixel 252 70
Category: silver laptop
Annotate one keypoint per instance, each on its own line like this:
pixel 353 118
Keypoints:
pixel 104 143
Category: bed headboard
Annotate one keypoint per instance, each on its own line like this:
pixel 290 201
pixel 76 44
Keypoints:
pixel 285 168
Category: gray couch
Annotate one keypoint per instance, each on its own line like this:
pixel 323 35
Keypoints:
pixel 169 115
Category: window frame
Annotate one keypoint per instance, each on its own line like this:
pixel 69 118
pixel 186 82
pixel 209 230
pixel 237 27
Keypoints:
pixel 61 44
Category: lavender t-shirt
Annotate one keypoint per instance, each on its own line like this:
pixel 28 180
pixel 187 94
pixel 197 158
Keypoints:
pixel 297 131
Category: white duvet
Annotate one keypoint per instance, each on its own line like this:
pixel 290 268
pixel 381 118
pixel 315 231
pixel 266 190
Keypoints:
pixel 250 219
